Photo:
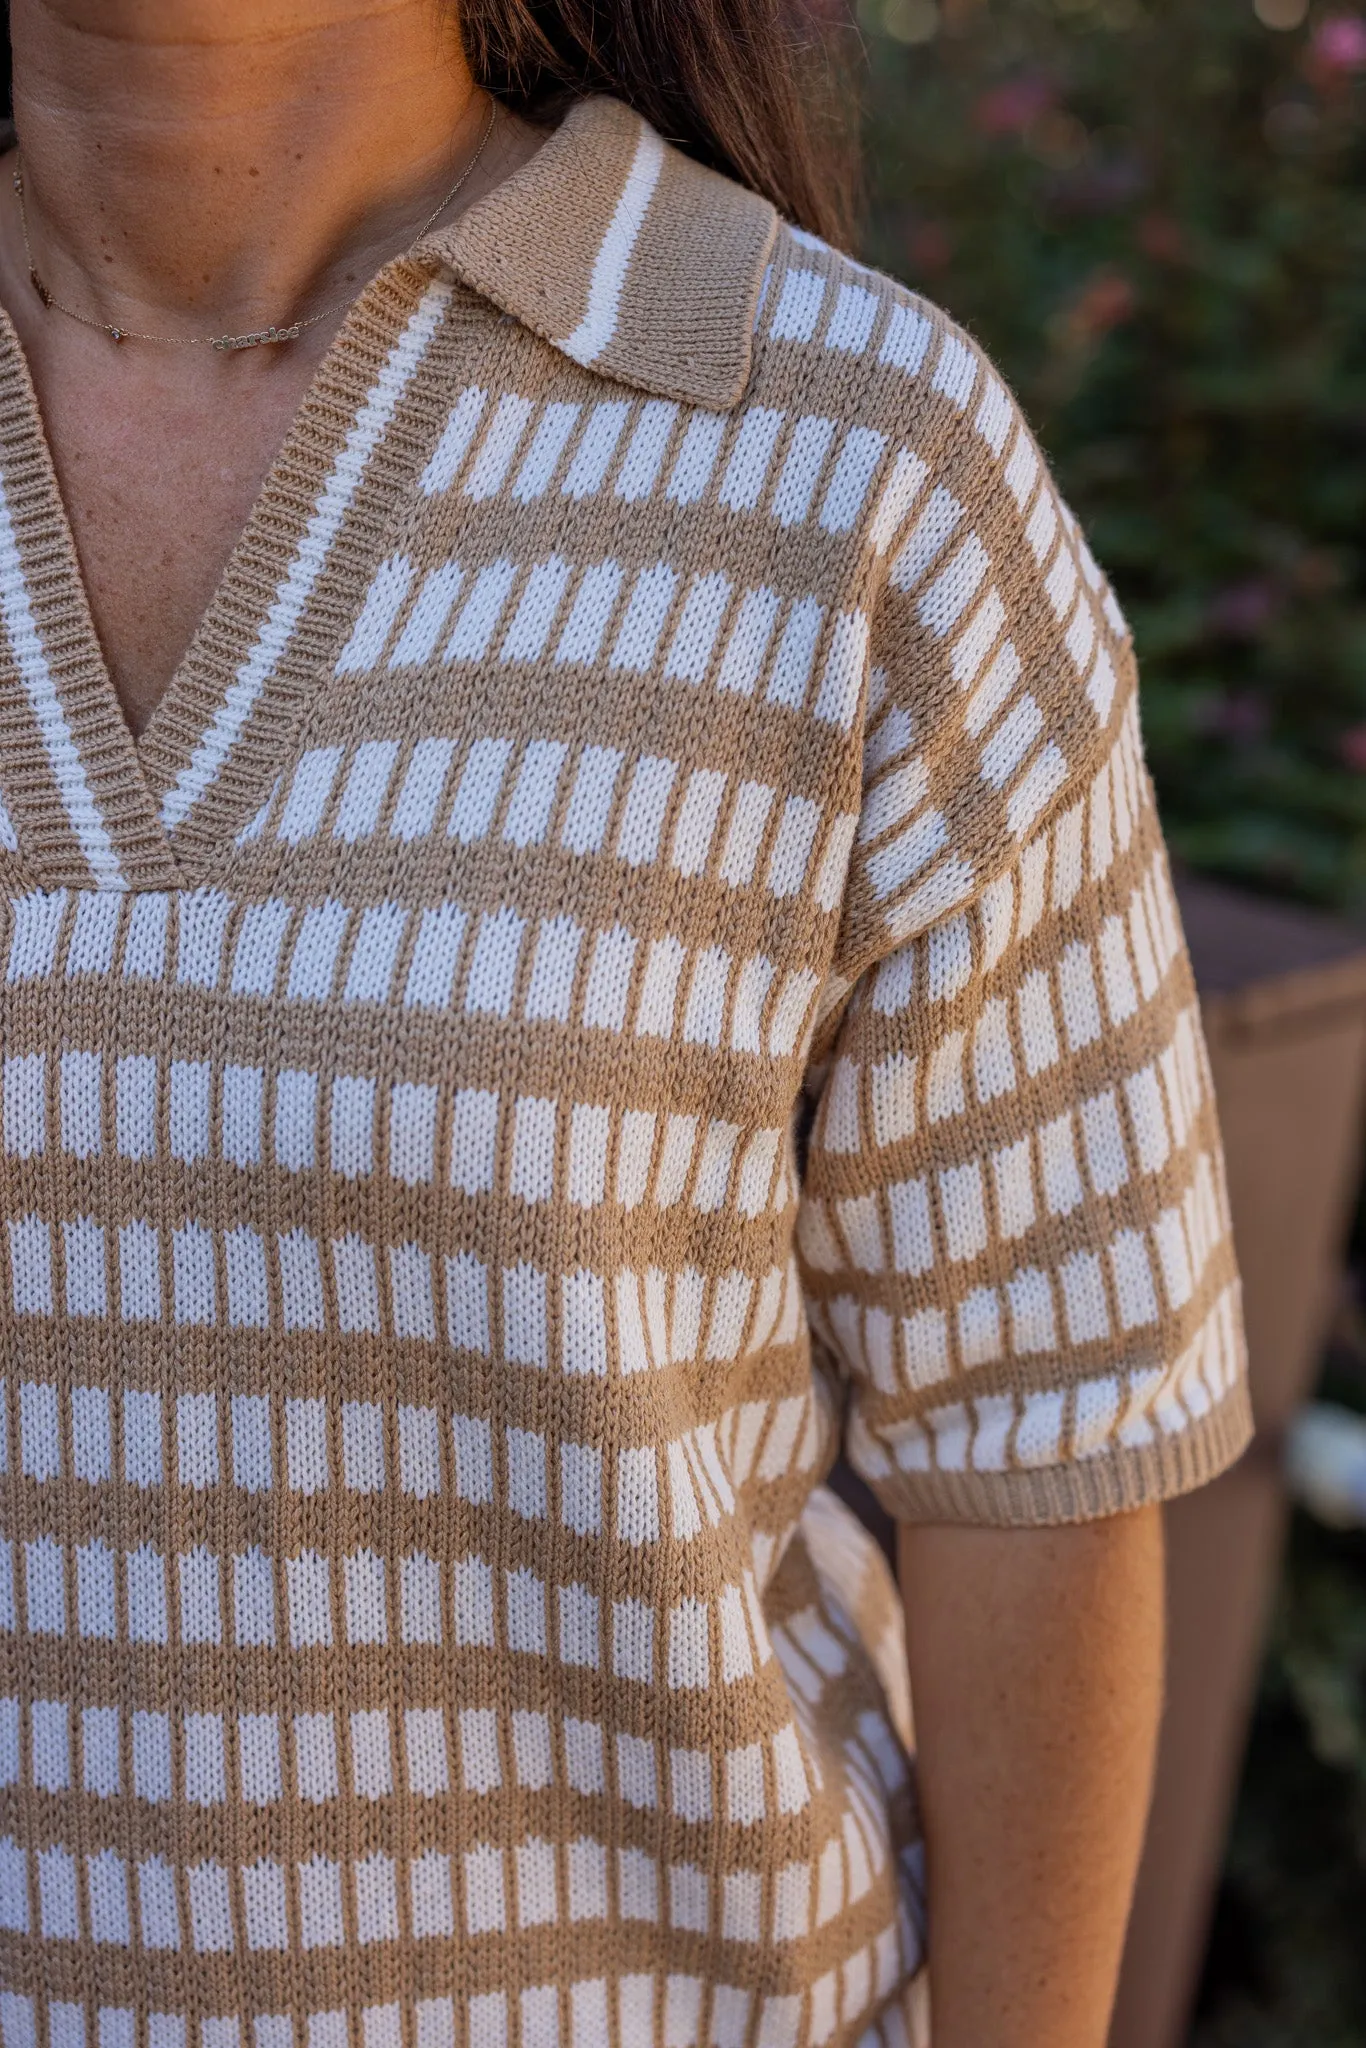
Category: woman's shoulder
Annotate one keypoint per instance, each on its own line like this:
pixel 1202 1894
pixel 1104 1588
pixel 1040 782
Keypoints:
pixel 832 334
pixel 914 399
pixel 658 273
pixel 823 298
pixel 1000 660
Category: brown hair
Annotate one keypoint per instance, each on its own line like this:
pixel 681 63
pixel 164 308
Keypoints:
pixel 746 86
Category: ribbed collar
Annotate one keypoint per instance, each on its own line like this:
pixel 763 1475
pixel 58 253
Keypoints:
pixel 624 254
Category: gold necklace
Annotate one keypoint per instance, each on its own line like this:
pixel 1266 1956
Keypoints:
pixel 223 342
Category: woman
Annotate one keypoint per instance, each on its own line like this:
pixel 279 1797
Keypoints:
pixel 479 752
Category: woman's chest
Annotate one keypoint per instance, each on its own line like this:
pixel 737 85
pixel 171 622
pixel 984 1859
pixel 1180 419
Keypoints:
pixel 518 993
pixel 502 934
pixel 160 457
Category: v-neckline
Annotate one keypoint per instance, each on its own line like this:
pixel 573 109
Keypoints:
pixel 138 812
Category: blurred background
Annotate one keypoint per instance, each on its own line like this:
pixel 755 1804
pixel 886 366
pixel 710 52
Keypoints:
pixel 1153 214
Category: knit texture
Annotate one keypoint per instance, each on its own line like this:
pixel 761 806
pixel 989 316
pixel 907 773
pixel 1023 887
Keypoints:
pixel 636 945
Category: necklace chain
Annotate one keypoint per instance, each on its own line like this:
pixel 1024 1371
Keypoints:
pixel 224 343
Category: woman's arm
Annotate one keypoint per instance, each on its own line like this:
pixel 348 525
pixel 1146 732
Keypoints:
pixel 1036 1678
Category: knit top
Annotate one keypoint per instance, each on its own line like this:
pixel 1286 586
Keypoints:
pixel 635 948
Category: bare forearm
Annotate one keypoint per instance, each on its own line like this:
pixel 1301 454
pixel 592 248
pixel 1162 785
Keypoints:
pixel 1036 1674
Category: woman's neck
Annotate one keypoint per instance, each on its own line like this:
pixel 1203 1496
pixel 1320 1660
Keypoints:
pixel 193 166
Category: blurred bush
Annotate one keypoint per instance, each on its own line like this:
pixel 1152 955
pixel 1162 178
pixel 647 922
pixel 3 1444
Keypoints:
pixel 1153 213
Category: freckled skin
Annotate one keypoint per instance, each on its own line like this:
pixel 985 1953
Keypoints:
pixel 161 452
pixel 158 470
pixel 157 490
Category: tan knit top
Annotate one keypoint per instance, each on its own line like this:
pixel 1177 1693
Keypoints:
pixel 659 687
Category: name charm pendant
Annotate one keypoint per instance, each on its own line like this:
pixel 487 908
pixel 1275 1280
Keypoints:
pixel 225 344
pixel 262 338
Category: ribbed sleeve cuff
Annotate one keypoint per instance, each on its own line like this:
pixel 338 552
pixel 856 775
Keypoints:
pixel 1113 1483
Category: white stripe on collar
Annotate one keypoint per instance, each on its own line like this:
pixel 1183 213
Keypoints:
pixel 599 323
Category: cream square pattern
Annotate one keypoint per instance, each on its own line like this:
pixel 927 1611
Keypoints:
pixel 643 952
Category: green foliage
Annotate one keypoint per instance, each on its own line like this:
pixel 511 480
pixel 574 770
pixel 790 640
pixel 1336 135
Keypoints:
pixel 1153 213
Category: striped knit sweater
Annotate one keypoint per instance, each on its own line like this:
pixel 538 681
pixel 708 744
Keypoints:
pixel 636 948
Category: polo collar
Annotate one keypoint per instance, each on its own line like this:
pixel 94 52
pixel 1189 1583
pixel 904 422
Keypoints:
pixel 624 254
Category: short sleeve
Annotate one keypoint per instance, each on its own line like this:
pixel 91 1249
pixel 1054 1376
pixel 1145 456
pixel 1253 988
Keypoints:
pixel 1014 1231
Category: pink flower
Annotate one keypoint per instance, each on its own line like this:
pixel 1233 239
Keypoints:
pixel 1243 611
pixel 1234 715
pixel 1105 301
pixel 1340 43
pixel 1352 748
pixel 929 246
pixel 1160 237
pixel 1011 108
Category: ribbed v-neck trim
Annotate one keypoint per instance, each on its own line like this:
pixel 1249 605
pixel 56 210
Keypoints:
pixel 72 783
pixel 91 806
pixel 622 254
